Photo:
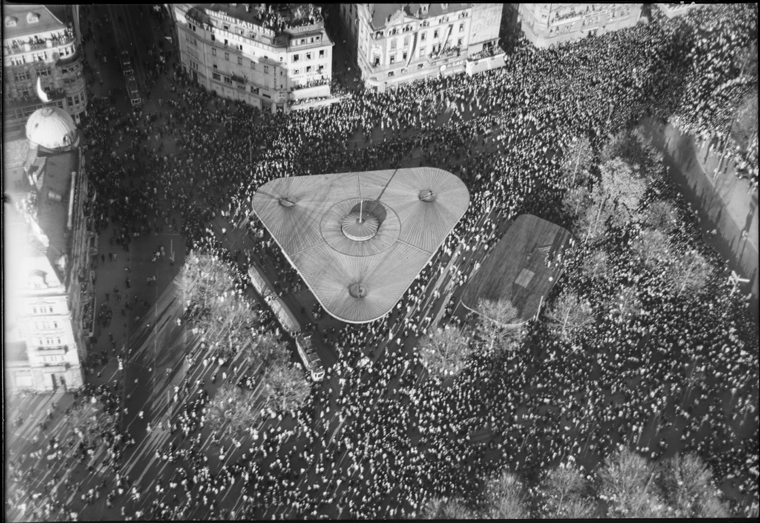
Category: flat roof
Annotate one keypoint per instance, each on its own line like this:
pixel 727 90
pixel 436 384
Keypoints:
pixel 359 239
pixel 518 266
pixel 53 215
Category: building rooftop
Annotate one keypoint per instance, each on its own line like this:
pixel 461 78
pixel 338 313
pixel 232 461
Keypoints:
pixel 51 127
pixel 521 267
pixel 32 19
pixel 277 17
pixel 359 239
pixel 381 12
pixel 52 214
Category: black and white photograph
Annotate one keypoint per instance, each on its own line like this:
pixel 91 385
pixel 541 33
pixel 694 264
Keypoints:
pixel 380 261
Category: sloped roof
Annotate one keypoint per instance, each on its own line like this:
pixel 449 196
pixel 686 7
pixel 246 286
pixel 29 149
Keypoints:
pixel 359 239
pixel 53 17
pixel 520 265
pixel 381 12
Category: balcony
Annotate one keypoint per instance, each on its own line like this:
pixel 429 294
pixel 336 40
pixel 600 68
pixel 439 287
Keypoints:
pixel 61 61
pixel 37 44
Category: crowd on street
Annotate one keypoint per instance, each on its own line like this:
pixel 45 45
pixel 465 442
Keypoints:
pixel 378 438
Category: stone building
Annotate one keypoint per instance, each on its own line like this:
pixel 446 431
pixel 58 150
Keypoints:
pixel 548 24
pixel 50 252
pixel 267 55
pixel 41 42
pixel 394 44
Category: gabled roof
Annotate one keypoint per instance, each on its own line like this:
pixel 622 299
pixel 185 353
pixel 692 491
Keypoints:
pixel 359 239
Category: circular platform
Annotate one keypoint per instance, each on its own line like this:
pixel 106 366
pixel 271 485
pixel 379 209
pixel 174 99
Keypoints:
pixel 357 227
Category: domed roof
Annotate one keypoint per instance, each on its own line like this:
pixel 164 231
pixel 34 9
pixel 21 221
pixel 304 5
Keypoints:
pixel 51 127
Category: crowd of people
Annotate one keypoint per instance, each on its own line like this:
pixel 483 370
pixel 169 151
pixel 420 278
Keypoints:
pixel 377 438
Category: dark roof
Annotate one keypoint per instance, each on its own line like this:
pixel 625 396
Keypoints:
pixel 53 215
pixel 517 268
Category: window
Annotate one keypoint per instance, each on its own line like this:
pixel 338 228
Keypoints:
pixel 226 27
pixel 376 61
pixel 303 41
pixel 393 44
pixel 296 71
pixel 21 76
pixel 228 80
pixel 191 26
pixel 435 34
pixel 406 41
pixel 308 68
pixel 213 51
pixel 45 71
pixel 390 73
pixel 420 65
pixel 254 90
pixel 461 28
pixel 459 42
pixel 253 65
pixel 422 51
pixel 216 76
pixel 240 60
pixel 423 36
pixel 266 69
pixel 69 99
pixel 296 57
pixel 194 66
pixel 195 42
pixel 308 56
pixel 213 38
pixel 393 59
pixel 227 56
pixel 214 66
pixel 320 68
pixel 321 53
pixel 405 55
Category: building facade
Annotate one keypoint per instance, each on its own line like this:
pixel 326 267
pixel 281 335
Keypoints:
pixel 266 55
pixel 50 257
pixel 547 24
pixel 672 9
pixel 41 42
pixel 394 44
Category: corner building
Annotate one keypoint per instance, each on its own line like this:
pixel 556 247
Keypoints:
pixel 399 43
pixel 50 254
pixel 266 55
pixel 45 42
pixel 548 24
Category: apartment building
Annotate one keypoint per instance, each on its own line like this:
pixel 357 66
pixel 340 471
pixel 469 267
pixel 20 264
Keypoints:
pixel 266 55
pixel 548 24
pixel 41 42
pixel 395 44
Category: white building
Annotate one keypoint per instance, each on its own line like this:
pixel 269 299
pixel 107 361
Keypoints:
pixel 41 42
pixel 267 55
pixel 548 24
pixel 50 251
pixel 400 43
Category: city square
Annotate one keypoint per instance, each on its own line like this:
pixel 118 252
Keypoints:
pixel 333 280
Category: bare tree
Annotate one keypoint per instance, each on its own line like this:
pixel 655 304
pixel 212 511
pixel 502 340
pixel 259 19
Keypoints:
pixel 440 508
pixel 661 215
pixel 690 272
pixel 445 351
pixel 505 498
pixel 578 156
pixel 500 325
pixel 285 387
pixel 687 487
pixel 570 315
pixel 233 409
pixel 653 248
pixel 565 495
pixel 627 487
pixel 597 264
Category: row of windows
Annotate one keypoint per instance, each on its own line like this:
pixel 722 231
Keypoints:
pixel 25 112
pixel 422 52
pixel 309 69
pixel 309 55
pixel 48 342
pixel 45 325
pixel 393 32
